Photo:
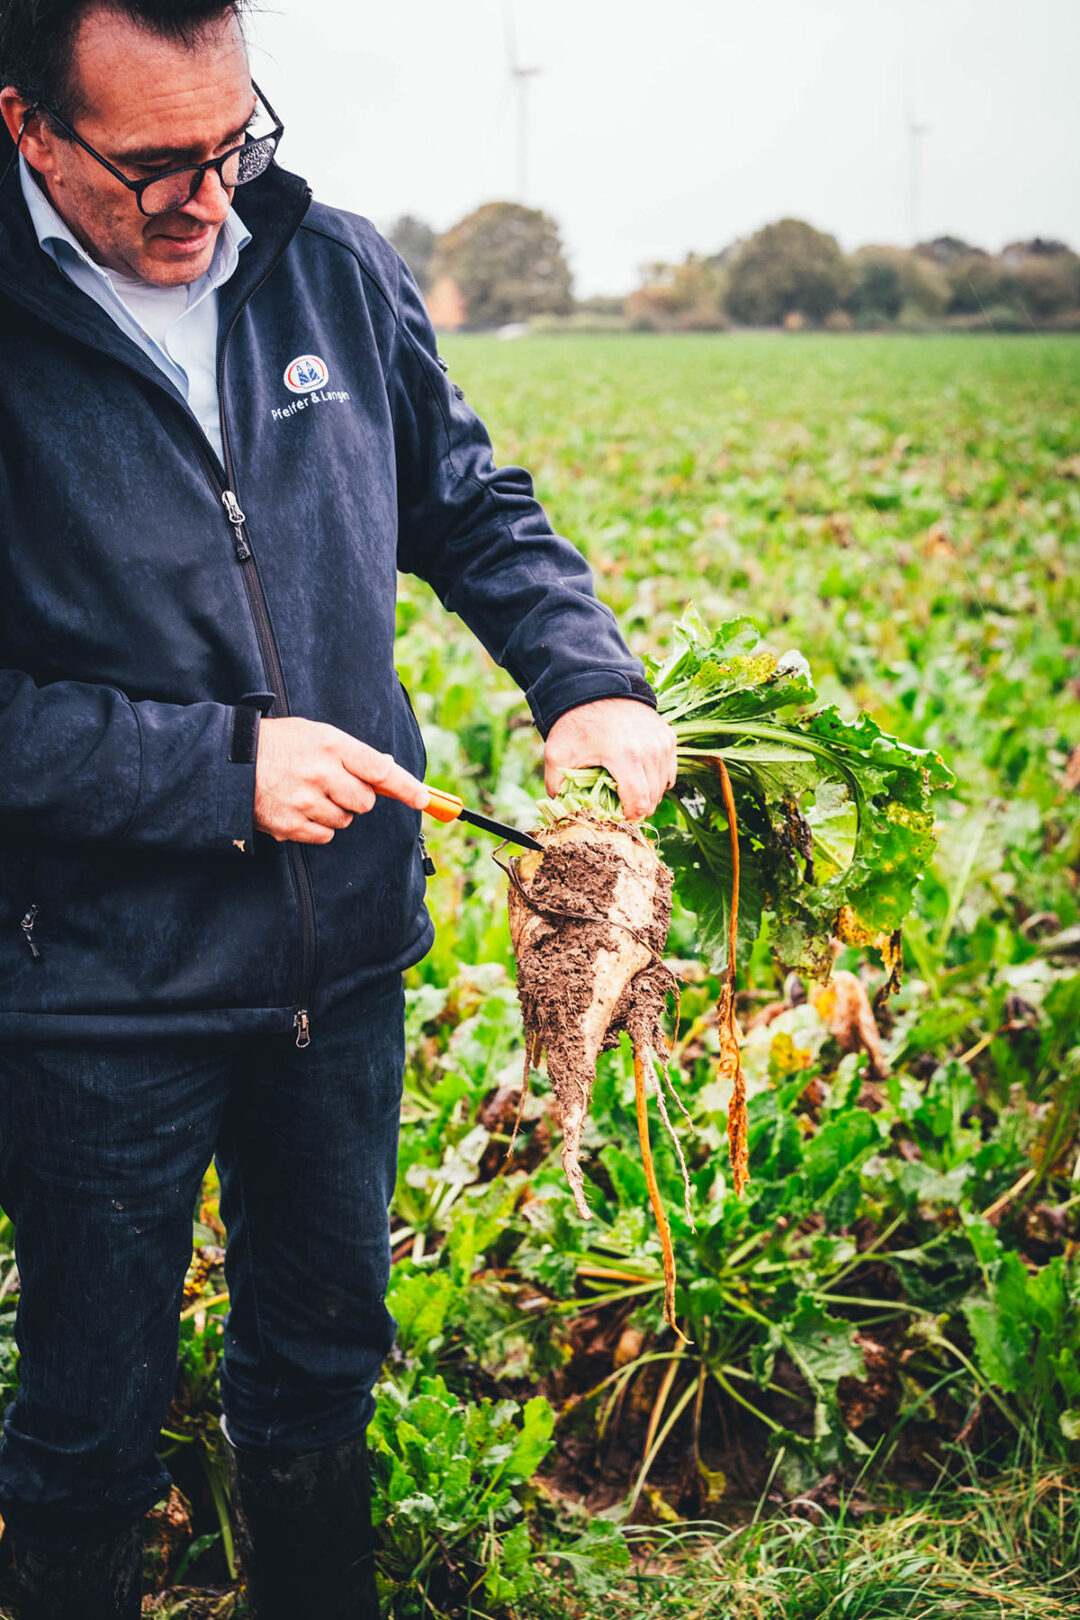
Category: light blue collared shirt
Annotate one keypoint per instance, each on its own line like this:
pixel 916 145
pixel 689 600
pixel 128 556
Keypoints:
pixel 185 319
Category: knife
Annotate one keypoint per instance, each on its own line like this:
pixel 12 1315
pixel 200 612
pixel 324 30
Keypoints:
pixel 448 807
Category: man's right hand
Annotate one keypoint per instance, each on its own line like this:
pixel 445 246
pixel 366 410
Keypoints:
pixel 311 779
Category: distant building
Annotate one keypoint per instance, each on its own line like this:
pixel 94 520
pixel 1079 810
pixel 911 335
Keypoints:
pixel 446 306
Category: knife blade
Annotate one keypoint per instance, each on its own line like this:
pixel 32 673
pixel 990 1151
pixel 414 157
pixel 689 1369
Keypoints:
pixel 447 807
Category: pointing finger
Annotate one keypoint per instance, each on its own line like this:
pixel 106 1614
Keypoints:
pixel 385 775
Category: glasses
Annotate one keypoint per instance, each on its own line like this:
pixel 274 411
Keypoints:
pixel 164 193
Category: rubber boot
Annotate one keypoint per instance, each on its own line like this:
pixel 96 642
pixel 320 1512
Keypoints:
pixel 303 1528
pixel 99 1581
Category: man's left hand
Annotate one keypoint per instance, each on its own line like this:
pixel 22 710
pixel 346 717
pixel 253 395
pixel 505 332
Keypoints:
pixel 627 738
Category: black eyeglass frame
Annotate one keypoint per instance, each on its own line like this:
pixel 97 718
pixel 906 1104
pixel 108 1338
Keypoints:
pixel 198 171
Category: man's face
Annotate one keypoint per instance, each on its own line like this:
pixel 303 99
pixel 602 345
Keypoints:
pixel 148 104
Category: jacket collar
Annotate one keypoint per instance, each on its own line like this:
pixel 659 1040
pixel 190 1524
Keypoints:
pixel 62 245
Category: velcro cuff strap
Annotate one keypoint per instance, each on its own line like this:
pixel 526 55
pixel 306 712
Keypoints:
pixel 244 738
pixel 640 688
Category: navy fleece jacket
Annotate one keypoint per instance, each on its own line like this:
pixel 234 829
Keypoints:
pixel 155 601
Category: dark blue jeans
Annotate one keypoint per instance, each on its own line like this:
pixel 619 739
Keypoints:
pixel 102 1151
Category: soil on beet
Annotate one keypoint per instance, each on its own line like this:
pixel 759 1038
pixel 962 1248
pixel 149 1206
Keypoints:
pixel 557 969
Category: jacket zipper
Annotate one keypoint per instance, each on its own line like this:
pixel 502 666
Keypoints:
pixel 425 857
pixel 271 657
pixel 237 519
pixel 27 926
pixel 264 630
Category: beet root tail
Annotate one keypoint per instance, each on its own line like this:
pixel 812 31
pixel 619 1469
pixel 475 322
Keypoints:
pixel 730 1054
pixel 641 1095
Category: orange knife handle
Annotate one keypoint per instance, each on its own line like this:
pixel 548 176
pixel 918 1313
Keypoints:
pixel 444 806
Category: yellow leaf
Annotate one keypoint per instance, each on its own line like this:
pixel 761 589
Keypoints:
pixel 714 1482
pixel 662 1510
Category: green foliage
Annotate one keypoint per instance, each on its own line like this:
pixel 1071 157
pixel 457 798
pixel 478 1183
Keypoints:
pixel 890 281
pixel 1026 1332
pixel 9 1354
pixel 507 261
pixel 784 269
pixel 895 544
pixel 1034 286
pixel 1046 287
pixel 833 815
pixel 687 297
pixel 789 272
pixel 447 1478
pixel 9 1361
pixel 877 295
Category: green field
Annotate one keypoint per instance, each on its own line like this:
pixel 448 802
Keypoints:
pixel 904 511
pixel 878 1414
pixel 907 513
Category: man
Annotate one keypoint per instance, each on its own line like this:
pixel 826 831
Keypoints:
pixel 223 431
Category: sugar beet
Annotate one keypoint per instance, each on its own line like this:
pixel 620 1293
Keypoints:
pixel 588 920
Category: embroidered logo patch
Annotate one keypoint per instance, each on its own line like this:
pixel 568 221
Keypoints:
pixel 306 373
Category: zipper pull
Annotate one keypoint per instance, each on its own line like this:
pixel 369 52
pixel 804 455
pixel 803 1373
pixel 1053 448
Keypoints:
pixel 27 926
pixel 429 864
pixel 302 1026
pixel 237 519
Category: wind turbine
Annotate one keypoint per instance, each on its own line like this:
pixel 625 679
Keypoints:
pixel 916 131
pixel 519 79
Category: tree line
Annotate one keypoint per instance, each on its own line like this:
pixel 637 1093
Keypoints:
pixel 505 263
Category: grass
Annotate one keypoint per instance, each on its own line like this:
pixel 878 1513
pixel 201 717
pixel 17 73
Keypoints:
pixel 1007 1546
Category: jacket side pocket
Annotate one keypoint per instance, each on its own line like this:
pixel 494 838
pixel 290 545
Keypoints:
pixel 419 735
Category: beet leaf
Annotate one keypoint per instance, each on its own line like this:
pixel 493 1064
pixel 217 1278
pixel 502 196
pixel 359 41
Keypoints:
pixel 835 818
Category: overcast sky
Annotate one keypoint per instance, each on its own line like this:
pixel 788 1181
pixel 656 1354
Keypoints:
pixel 663 127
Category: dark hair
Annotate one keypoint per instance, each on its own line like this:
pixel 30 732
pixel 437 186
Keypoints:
pixel 36 39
